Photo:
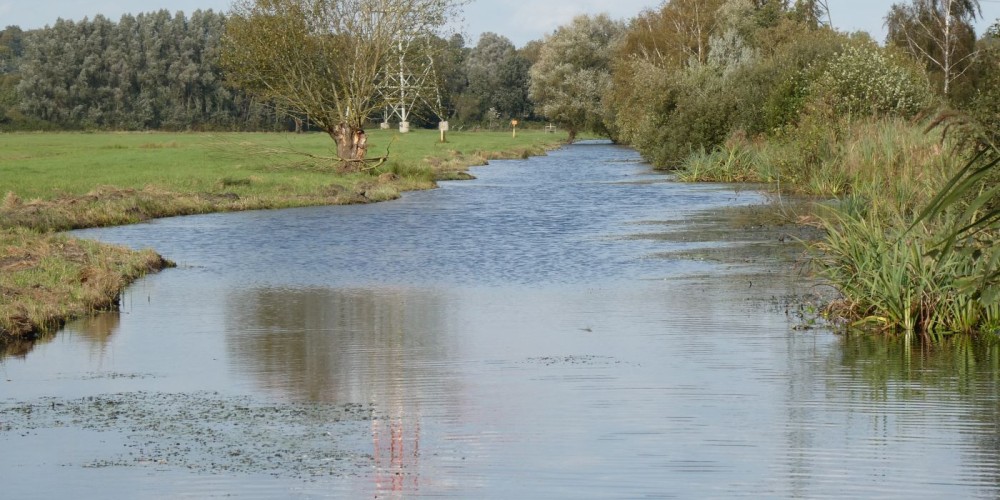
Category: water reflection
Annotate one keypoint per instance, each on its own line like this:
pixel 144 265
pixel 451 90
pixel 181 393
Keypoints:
pixel 897 367
pixel 944 391
pixel 95 331
pixel 382 347
pixel 19 348
pixel 514 339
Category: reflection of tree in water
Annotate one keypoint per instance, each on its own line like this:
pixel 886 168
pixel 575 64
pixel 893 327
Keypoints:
pixel 958 369
pixel 382 347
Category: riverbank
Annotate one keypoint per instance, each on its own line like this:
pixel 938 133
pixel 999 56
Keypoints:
pixel 58 182
pixel 909 224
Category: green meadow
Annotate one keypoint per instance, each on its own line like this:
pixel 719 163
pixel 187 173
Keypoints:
pixel 46 166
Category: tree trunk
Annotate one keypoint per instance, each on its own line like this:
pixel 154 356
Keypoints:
pixel 948 47
pixel 352 145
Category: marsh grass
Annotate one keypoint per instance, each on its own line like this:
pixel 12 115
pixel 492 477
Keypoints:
pixel 910 234
pixel 934 271
pixel 892 279
pixel 60 181
pixel 886 165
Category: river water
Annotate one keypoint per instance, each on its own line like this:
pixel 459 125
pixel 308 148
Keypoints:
pixel 524 335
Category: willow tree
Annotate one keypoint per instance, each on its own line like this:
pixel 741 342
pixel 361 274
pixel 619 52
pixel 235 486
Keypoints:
pixel 573 73
pixel 326 59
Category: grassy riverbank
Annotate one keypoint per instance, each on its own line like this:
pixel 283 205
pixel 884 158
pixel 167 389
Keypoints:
pixel 901 246
pixel 57 181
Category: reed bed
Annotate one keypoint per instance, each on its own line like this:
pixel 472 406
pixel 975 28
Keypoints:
pixel 912 223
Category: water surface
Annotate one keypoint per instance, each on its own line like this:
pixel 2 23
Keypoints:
pixel 516 336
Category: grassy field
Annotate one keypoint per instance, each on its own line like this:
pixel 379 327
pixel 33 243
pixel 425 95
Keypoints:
pixel 46 166
pixel 56 181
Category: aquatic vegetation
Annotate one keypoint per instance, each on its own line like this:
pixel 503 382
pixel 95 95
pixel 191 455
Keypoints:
pixel 889 164
pixel 894 279
pixel 934 272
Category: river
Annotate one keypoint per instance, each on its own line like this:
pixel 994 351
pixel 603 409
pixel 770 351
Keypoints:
pixel 529 334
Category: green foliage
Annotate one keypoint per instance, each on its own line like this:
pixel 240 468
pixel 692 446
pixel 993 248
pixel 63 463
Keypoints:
pixel 984 106
pixel 11 49
pixel 151 71
pixel 781 100
pixel 933 272
pixel 734 161
pixel 772 92
pixel 940 35
pixel 573 73
pixel 866 80
pixel 497 79
pixel 892 279
pixel 668 116
pixel 757 80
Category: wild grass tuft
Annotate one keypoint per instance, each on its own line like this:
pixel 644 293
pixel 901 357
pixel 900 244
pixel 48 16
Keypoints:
pixel 890 164
pixel 910 244
pixel 892 280
pixel 932 272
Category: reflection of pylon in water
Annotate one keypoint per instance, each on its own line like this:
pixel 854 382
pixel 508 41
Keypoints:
pixel 398 470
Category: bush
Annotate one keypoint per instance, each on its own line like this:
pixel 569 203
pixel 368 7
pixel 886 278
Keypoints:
pixel 668 116
pixel 867 80
pixel 773 92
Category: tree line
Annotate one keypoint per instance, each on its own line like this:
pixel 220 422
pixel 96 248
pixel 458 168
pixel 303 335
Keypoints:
pixel 150 71
pixel 163 71
pixel 677 78
pixel 692 74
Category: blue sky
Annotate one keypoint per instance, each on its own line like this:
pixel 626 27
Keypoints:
pixel 519 20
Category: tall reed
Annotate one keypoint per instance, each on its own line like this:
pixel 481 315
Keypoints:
pixel 933 271
pixel 894 278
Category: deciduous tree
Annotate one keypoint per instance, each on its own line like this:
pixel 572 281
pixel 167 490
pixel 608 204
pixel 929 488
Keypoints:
pixel 938 32
pixel 325 59
pixel 498 78
pixel 573 73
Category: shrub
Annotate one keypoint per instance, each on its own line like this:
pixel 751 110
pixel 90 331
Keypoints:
pixel 866 80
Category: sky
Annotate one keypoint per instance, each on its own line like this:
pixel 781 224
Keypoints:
pixel 519 20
